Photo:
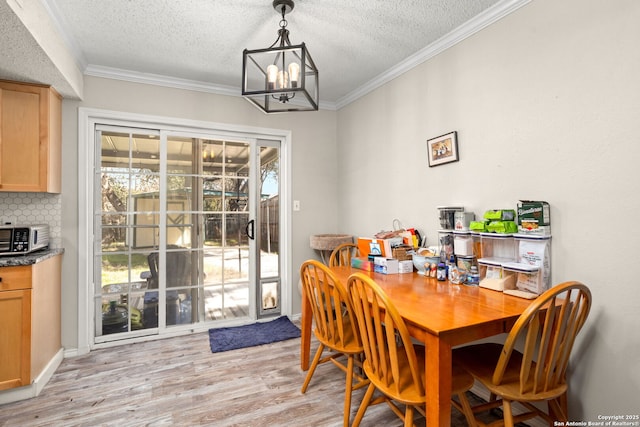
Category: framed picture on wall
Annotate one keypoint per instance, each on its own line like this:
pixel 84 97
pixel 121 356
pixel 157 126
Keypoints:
pixel 443 149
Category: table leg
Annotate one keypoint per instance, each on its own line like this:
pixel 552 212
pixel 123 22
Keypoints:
pixel 305 333
pixel 438 381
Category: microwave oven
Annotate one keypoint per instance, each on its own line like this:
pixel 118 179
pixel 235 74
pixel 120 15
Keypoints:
pixel 23 239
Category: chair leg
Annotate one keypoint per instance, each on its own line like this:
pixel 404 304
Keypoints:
pixel 408 416
pixel 312 368
pixel 466 409
pixel 348 390
pixel 556 409
pixel 507 412
pixel 363 405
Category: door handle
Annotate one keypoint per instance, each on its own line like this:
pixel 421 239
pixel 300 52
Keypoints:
pixel 250 224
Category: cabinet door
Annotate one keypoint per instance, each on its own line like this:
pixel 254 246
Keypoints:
pixel 29 138
pixel 15 338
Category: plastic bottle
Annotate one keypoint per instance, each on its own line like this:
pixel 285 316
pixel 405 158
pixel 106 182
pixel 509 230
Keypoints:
pixel 441 272
pixel 473 278
pixel 454 273
pixel 449 263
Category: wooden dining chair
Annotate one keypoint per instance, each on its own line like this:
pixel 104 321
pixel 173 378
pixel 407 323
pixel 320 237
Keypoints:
pixel 342 254
pixel 547 329
pixel 335 327
pixel 395 367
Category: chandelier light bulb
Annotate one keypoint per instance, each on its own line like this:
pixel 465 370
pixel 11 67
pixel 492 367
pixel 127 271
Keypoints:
pixel 272 76
pixel 283 79
pixel 294 74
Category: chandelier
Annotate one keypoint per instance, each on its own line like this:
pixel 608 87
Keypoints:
pixel 281 77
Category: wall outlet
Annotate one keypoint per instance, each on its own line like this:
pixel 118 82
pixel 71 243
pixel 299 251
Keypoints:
pixel 296 205
pixel 7 220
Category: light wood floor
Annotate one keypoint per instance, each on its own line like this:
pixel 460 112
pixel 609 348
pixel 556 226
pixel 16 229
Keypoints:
pixel 179 382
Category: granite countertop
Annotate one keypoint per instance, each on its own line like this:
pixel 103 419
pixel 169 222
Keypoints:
pixel 29 259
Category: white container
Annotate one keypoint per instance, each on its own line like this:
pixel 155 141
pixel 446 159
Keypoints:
pixel 405 267
pixel 489 269
pixel 494 276
pixel 528 277
pixel 535 251
pixel 385 265
pixel 462 220
pixel 498 247
pixel 462 244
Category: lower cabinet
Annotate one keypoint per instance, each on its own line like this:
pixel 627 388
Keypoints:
pixel 15 338
pixel 30 320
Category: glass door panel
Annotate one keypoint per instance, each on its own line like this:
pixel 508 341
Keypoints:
pixel 127 171
pixel 269 226
pixel 207 211
pixel 186 231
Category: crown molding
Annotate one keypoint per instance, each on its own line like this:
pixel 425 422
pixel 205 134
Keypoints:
pixel 173 82
pixel 160 80
pixel 469 28
pixel 474 25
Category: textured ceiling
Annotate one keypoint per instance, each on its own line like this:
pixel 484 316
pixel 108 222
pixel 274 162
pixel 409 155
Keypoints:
pixel 351 41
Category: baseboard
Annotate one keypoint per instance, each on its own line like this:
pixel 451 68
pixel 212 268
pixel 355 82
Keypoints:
pixel 33 389
pixel 71 352
pixel 483 393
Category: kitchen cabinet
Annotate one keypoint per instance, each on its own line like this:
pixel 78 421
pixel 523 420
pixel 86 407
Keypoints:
pixel 30 320
pixel 30 137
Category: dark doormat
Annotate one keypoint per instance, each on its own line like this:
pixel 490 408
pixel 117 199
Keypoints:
pixel 225 339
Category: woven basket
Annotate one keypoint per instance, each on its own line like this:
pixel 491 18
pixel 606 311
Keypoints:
pixel 401 253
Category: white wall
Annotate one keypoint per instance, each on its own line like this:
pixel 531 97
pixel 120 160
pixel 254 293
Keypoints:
pixel 546 103
pixel 313 141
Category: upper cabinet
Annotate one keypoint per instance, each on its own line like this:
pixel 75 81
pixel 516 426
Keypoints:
pixel 30 137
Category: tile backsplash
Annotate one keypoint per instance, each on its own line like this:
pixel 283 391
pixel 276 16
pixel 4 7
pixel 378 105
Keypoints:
pixel 34 208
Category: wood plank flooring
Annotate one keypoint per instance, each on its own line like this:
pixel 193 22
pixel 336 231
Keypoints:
pixel 179 382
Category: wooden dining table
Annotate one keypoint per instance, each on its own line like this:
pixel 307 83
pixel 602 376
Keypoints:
pixel 439 314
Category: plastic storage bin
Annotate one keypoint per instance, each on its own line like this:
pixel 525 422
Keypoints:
pixel 535 250
pixel 477 245
pixel 528 277
pixel 493 276
pixel 498 247
pixel 448 216
pixel 462 244
pixel 445 243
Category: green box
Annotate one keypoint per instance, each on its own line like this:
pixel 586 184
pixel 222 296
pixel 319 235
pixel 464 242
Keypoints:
pixel 534 210
pixel 500 215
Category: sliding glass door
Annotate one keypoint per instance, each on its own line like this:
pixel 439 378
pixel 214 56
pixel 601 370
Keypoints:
pixel 186 228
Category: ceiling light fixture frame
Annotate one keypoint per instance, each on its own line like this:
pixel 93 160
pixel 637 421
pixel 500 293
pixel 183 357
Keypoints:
pixel 283 77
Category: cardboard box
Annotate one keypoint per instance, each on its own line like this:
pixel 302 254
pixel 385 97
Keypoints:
pixel 386 265
pixel 368 246
pixel 534 218
pixel 362 263
pixel 534 212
